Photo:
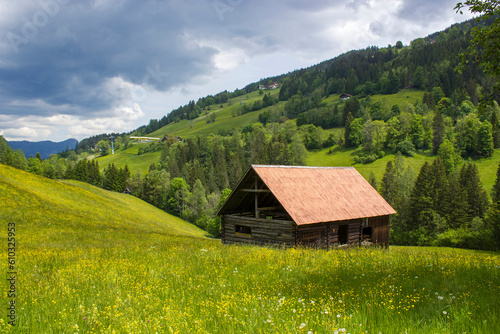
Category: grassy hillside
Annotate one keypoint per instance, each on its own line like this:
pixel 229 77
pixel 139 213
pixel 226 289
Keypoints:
pixel 226 121
pixel 58 211
pixel 131 158
pixel 93 261
pixel 224 118
pixel 345 157
pixel 326 157
pixel 402 98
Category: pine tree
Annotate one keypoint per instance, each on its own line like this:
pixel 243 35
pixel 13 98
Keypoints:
pixel 124 176
pixel 110 176
pixel 454 203
pixel 495 192
pixel 94 176
pixel 495 122
pixel 474 194
pixel 388 185
pixel 373 180
pixel 440 184
pixel 421 198
pixel 347 131
pixel 419 78
pixel 351 106
pixel 438 132
pixel 428 99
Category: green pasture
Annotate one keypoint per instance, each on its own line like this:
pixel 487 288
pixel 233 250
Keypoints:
pixel 225 119
pixel 93 261
pixel 131 158
pixel 345 157
pixel 402 98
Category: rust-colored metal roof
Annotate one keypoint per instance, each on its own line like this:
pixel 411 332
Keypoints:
pixel 322 194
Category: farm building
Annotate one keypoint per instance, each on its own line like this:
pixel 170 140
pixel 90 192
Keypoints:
pixel 310 206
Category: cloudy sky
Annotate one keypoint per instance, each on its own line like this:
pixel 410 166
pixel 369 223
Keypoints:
pixel 76 68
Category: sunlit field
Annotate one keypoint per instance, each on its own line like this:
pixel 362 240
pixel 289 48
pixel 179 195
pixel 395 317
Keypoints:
pixel 87 268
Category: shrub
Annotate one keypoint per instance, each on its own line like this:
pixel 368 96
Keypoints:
pixel 406 147
pixel 369 158
pixel 465 238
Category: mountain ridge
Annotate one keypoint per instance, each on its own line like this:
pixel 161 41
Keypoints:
pixel 46 147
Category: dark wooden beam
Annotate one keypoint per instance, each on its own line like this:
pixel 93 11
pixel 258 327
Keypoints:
pixel 271 208
pixel 256 194
pixel 256 190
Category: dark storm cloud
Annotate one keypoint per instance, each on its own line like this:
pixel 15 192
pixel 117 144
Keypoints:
pixel 67 59
pixel 66 52
pixel 102 65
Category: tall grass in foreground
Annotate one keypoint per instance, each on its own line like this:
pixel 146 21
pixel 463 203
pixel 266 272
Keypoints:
pixel 188 285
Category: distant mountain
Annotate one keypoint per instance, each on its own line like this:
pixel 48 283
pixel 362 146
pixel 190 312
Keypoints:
pixel 45 148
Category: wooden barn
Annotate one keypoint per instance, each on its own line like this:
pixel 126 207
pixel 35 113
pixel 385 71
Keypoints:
pixel 311 206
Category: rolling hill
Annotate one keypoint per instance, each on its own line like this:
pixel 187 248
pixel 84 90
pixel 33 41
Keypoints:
pixel 60 212
pixel 93 261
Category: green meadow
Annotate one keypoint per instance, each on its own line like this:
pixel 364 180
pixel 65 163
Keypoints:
pixel 225 118
pixel 93 261
pixel 345 157
pixel 130 158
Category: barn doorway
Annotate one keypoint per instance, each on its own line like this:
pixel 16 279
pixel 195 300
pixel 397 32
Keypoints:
pixel 367 234
pixel 343 234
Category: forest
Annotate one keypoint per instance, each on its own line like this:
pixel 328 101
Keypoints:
pixel 456 121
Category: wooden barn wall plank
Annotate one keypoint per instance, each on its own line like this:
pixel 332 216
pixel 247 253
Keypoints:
pixel 272 231
pixel 263 231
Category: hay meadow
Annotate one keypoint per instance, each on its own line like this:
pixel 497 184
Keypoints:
pixel 92 261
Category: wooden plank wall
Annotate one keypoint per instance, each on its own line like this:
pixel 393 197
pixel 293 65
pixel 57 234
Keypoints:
pixel 380 227
pixel 325 235
pixel 264 231
pixel 314 235
pixel 284 232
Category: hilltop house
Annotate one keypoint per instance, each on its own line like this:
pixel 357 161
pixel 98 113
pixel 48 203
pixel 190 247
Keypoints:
pixel 311 206
pixel 271 86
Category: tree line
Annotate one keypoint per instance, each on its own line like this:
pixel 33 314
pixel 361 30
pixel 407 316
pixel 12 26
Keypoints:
pixel 441 207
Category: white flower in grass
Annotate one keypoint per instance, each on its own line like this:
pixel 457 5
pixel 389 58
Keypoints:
pixel 302 325
pixel 444 312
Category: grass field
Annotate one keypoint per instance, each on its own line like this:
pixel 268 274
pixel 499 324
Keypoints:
pixel 225 122
pixel 224 118
pixel 401 98
pixel 131 158
pixel 92 261
pixel 345 157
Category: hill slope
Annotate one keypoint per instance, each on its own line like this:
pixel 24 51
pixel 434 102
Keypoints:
pixel 62 212
pixel 93 261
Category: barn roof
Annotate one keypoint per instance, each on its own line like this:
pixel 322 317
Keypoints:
pixel 317 194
